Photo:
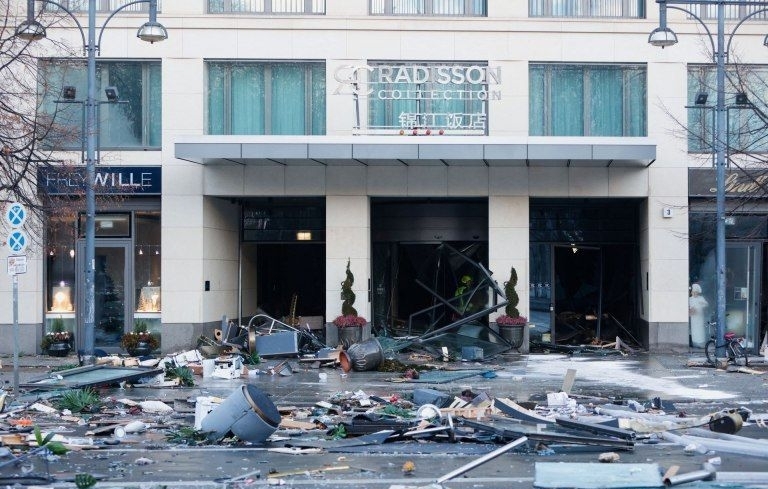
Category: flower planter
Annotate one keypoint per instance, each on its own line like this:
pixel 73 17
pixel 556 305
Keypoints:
pixel 59 349
pixel 513 333
pixel 142 348
pixel 350 335
pixel 362 356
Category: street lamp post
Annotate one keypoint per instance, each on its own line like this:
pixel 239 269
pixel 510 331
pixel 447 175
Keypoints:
pixel 662 37
pixel 151 31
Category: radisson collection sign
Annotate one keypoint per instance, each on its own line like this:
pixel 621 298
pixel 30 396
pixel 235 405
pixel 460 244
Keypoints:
pixel 449 81
pixel 426 82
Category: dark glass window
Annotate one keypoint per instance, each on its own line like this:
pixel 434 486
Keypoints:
pixel 108 225
pixel 284 220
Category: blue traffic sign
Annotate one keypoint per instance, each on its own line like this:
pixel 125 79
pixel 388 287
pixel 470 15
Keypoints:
pixel 17 241
pixel 15 215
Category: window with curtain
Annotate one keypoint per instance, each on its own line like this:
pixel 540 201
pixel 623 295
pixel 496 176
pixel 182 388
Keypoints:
pixel 628 9
pixel 431 95
pixel 746 123
pixel 286 98
pixel 459 8
pixel 587 100
pixel 132 122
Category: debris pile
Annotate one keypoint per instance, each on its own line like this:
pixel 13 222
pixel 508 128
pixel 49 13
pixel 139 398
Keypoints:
pixel 101 406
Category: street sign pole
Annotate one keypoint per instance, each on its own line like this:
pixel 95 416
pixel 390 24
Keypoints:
pixel 15 335
pixel 16 216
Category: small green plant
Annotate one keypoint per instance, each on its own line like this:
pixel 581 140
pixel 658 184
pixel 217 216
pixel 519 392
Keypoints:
pixel 347 295
pixel 253 358
pixel 511 293
pixel 339 432
pixel 184 374
pixel 186 435
pixel 80 400
pixel 58 334
pixel 140 326
pixel 140 334
pixel 84 481
pixel 512 316
pixel 56 447
pixel 57 325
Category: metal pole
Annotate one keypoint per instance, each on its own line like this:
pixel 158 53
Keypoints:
pixel 720 176
pixel 15 335
pixel 91 125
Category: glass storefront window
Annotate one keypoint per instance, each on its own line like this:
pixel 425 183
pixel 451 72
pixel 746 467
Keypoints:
pixel 108 225
pixel 147 262
pixel 60 266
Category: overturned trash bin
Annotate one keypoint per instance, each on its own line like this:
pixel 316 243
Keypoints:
pixel 248 413
pixel 366 355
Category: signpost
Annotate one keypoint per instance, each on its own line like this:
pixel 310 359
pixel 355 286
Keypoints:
pixel 16 216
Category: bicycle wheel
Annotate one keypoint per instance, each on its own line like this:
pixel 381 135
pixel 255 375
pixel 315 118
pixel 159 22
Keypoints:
pixel 709 351
pixel 738 354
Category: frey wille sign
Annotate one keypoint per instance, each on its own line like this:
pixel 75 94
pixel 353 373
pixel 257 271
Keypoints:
pixel 702 183
pixel 111 180
pixel 443 93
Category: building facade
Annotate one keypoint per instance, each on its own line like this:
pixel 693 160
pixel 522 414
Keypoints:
pixel 268 143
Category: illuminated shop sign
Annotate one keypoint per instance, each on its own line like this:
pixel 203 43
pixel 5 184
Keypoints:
pixel 109 180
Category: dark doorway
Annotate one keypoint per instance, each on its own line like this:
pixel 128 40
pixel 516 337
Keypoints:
pixel 413 264
pixel 410 277
pixel 285 270
pixel 593 294
pixel 584 279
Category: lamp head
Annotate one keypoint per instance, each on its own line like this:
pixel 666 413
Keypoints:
pixel 69 92
pixel 30 30
pixel 152 32
pixel 112 94
pixel 742 99
pixel 701 98
pixel 662 37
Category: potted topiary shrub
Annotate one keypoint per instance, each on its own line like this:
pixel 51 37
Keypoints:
pixel 511 323
pixel 58 342
pixel 349 323
pixel 140 341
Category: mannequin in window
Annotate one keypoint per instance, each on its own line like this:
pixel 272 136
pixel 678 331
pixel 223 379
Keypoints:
pixel 697 306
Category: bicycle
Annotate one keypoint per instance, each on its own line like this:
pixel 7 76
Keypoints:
pixel 734 349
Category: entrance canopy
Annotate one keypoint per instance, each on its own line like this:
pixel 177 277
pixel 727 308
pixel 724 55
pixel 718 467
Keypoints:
pixel 416 151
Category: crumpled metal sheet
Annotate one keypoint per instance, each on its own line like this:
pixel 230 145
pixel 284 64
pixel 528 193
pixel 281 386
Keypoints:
pixel 91 376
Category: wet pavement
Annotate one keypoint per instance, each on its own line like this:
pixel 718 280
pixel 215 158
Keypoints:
pixel 148 460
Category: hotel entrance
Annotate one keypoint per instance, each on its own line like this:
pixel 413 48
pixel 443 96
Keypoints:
pixel 584 279
pixel 422 248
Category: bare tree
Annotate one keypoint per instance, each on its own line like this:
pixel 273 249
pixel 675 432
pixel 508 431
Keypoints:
pixel 23 127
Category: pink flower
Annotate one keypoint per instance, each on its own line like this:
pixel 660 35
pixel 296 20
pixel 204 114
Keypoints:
pixel 505 320
pixel 349 321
